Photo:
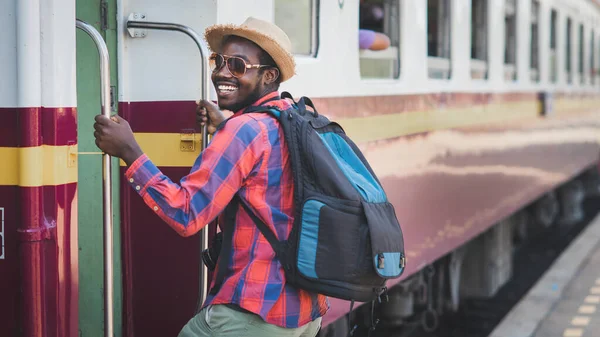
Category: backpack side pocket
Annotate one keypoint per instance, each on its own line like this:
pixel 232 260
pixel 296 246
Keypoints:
pixel 387 241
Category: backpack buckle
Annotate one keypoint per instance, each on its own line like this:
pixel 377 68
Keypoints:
pixel 380 261
pixel 385 296
pixel 381 292
pixel 373 325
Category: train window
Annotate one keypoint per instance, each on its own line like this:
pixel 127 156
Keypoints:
pixel 535 41
pixel 592 59
pixel 568 52
pixel 553 62
pixel 580 59
pixel 510 38
pixel 299 20
pixel 439 32
pixel 381 20
pixel 479 32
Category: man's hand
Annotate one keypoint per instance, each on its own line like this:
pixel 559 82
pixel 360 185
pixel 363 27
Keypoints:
pixel 215 116
pixel 114 137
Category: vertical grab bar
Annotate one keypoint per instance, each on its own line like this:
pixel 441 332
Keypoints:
pixel 106 179
pixel 204 95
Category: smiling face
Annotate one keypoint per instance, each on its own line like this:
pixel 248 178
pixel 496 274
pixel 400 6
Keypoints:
pixel 237 93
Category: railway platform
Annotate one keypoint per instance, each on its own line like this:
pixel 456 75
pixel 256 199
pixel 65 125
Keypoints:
pixel 565 302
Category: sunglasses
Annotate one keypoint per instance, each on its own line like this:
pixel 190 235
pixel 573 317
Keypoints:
pixel 236 66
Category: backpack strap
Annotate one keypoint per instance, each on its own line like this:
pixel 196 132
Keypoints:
pixel 268 233
pixel 303 102
pixel 287 95
pixel 227 244
pixel 274 111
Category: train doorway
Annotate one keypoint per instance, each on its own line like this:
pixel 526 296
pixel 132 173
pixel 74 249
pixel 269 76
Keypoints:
pixel 101 14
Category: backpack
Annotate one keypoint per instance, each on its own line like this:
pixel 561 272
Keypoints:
pixel 345 241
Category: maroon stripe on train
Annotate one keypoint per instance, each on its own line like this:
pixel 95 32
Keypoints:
pixel 59 126
pixel 365 106
pixel 9 132
pixel 39 270
pixel 46 126
pixel 9 268
pixel 30 126
pixel 169 116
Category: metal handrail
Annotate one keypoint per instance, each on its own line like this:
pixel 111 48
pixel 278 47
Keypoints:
pixel 205 75
pixel 106 178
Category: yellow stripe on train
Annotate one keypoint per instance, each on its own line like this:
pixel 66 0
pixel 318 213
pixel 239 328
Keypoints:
pixel 38 166
pixel 56 165
pixel 169 149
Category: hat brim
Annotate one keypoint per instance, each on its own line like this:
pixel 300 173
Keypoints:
pixel 214 36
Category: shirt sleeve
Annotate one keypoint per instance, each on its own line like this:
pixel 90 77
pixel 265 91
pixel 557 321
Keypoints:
pixel 218 173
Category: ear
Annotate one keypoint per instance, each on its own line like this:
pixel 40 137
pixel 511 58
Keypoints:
pixel 270 75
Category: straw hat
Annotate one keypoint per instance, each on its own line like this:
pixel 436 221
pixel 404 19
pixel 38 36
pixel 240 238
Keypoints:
pixel 266 35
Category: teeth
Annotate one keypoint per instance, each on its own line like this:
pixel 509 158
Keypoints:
pixel 227 88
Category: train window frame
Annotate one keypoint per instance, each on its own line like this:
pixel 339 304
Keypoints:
pixel 553 61
pixel 580 53
pixel 314 34
pixel 391 26
pixel 479 35
pixel 592 70
pixel 439 63
pixel 510 39
pixel 568 63
pixel 534 53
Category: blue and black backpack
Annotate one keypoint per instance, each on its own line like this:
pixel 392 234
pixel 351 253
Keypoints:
pixel 346 240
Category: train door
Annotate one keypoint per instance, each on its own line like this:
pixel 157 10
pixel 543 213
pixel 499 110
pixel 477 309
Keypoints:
pixel 162 271
pixel 102 15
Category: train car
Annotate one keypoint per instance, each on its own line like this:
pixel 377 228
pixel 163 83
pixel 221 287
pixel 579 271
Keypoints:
pixel 481 120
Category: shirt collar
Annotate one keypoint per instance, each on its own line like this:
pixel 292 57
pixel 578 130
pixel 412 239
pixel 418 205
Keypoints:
pixel 260 101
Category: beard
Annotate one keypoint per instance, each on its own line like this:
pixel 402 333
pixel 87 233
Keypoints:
pixel 243 103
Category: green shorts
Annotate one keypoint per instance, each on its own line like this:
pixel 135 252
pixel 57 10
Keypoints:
pixel 223 321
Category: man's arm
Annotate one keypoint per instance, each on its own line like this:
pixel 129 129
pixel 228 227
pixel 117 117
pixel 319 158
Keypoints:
pixel 368 39
pixel 218 173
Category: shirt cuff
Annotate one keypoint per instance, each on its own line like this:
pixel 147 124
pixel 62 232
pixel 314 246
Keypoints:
pixel 140 173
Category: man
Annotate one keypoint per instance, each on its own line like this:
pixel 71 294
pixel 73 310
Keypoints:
pixel 247 157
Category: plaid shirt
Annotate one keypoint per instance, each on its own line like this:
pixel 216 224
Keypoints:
pixel 247 156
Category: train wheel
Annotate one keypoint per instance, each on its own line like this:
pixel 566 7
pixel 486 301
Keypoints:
pixel 570 198
pixel 543 213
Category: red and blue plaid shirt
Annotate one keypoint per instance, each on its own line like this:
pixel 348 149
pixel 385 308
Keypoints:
pixel 249 157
